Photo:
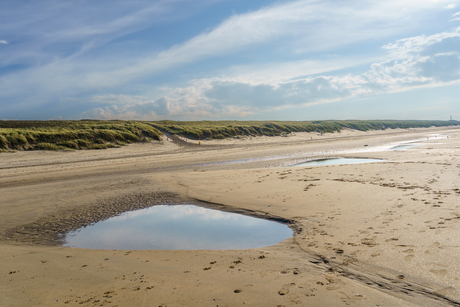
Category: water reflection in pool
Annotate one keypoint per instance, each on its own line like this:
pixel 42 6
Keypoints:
pixel 336 161
pixel 180 227
pixel 406 146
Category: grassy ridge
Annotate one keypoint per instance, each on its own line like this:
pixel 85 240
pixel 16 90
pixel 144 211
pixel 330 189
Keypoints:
pixel 225 129
pixel 58 135
pixel 87 134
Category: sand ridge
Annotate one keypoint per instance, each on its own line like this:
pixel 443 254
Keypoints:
pixel 366 234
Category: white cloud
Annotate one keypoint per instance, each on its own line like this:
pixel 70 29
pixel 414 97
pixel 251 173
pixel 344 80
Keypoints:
pixel 120 99
pixel 181 103
pixel 404 48
pixel 309 25
pixel 413 62
pixel 127 107
pixel 3 42
pixel 277 72
pixel 456 16
pixel 451 6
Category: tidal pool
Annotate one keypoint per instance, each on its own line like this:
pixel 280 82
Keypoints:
pixel 336 161
pixel 179 227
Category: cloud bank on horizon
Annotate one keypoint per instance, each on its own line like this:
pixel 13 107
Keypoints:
pixel 230 59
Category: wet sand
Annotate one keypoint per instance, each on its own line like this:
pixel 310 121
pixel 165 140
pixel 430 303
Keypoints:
pixel 378 234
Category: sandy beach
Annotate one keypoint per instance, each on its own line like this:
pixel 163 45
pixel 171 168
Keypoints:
pixel 374 234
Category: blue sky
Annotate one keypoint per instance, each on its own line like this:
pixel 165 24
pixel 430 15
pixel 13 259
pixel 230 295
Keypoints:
pixel 229 59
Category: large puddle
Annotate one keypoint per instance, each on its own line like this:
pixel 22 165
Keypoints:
pixel 338 161
pixel 179 227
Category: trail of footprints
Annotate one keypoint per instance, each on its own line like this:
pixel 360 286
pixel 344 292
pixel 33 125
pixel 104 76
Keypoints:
pixel 294 292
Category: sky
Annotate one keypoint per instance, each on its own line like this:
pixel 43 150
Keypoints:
pixel 230 59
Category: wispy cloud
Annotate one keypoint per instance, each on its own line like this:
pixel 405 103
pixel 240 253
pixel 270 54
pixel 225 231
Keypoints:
pixel 56 44
pixel 337 26
pixel 41 29
pixel 412 63
pixel 455 16
pixel 72 51
pixel 310 26
pixel 3 42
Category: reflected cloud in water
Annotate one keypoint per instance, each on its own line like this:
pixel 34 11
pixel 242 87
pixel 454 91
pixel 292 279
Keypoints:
pixel 406 146
pixel 338 161
pixel 180 227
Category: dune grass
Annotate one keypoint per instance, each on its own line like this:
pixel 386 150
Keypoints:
pixel 91 134
pixel 61 135
pixel 201 130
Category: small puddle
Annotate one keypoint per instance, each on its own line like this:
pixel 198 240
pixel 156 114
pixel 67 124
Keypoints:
pixel 406 146
pixel 338 161
pixel 179 227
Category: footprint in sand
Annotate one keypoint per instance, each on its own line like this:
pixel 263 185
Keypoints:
pixel 409 257
pixel 439 272
pixel 350 298
pixel 285 289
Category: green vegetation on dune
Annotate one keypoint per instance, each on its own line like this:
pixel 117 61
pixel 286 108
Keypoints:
pixel 58 135
pixel 91 134
pixel 200 130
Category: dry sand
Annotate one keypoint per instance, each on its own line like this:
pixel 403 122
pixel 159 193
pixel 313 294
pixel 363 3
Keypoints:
pixel 379 234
